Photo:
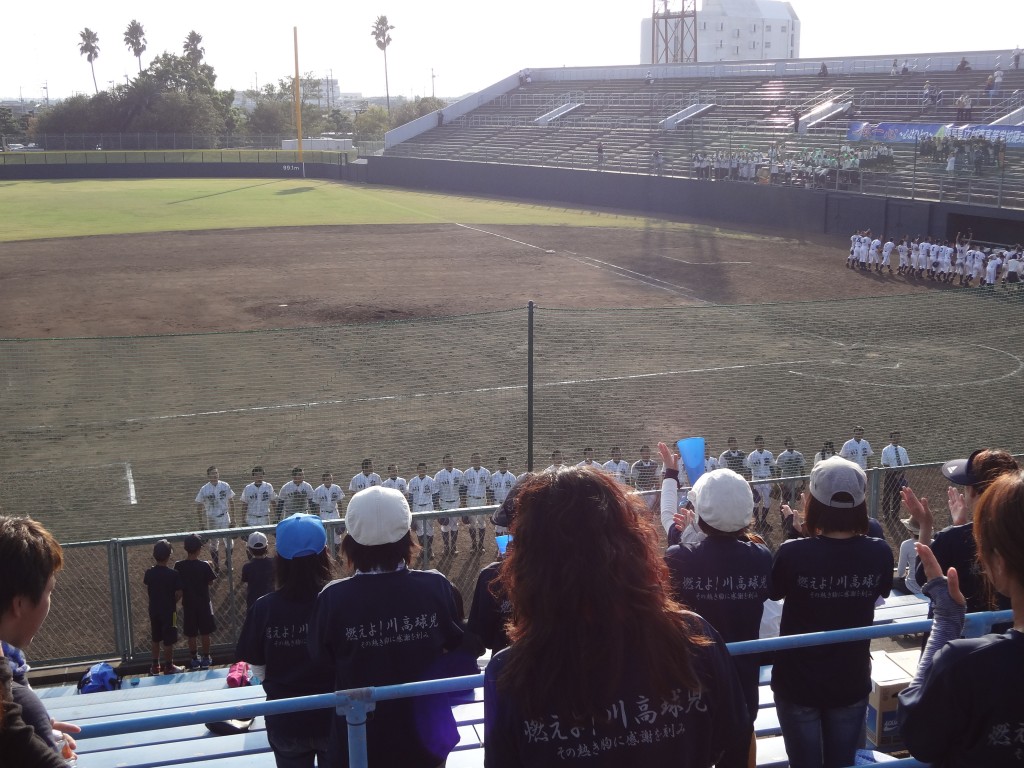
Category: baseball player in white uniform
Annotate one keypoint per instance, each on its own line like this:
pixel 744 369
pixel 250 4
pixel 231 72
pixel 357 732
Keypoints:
pixel 992 268
pixel 296 496
pixel 501 485
pixel 644 476
pixel 327 496
pixel 857 449
pixel 450 491
pixel 257 498
pixel 588 460
pixel 477 482
pixel 761 464
pixel 710 462
pixel 887 255
pixel 365 479
pixel 934 259
pixel 862 249
pixel 851 260
pixel 556 462
pixel 617 466
pixel 217 500
pixel 904 251
pixel 422 491
pixel 394 481
pixel 873 250
pixel 924 255
pixel 790 463
pixel 979 266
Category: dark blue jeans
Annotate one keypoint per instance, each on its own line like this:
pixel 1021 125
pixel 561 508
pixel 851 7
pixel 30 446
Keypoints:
pixel 298 751
pixel 822 738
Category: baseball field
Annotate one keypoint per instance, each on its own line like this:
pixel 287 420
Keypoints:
pixel 152 328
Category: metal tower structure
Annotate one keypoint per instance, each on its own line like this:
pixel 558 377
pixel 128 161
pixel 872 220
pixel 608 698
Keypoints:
pixel 673 33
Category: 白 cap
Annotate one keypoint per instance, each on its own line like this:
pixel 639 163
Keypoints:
pixel 162 550
pixel 723 500
pixel 837 482
pixel 300 535
pixel 257 541
pixel 911 525
pixel 193 543
pixel 959 471
pixel 378 515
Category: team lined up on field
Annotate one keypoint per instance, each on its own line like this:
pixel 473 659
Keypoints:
pixel 932 258
pixel 448 489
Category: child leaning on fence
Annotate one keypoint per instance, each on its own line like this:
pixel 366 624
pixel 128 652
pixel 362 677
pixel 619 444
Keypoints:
pixel 196 577
pixel 164 587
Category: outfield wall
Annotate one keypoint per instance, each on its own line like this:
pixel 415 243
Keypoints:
pixel 791 210
pixel 175 164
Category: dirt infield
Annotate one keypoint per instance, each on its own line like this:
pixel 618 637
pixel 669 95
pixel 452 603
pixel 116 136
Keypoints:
pixel 279 278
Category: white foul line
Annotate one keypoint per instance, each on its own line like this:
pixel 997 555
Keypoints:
pixel 503 237
pixel 131 483
pixel 703 263
pixel 439 393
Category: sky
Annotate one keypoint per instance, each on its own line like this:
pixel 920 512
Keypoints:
pixel 467 46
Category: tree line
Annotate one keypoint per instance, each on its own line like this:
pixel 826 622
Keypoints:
pixel 177 93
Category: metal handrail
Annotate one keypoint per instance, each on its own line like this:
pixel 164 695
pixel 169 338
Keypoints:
pixel 356 703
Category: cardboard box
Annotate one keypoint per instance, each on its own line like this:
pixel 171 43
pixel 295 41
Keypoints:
pixel 887 679
pixel 907 660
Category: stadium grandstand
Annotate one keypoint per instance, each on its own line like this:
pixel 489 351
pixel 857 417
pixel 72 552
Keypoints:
pixel 774 110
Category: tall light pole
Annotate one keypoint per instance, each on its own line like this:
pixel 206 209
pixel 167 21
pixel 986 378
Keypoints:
pixel 46 89
pixel 433 77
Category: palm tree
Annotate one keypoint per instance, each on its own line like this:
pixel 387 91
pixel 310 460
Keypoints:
pixel 135 39
pixel 90 48
pixel 380 31
pixel 193 48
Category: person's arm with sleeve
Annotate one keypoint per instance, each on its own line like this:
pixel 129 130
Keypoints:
pixel 684 520
pixel 930 707
pixel 922 514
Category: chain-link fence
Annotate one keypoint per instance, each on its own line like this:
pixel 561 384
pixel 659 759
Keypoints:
pixel 100 605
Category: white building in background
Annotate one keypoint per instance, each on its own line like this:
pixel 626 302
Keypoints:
pixel 732 30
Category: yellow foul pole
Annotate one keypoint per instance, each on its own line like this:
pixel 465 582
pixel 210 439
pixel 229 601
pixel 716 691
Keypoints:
pixel 297 96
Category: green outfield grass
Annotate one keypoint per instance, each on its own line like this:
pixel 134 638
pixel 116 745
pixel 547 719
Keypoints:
pixel 46 209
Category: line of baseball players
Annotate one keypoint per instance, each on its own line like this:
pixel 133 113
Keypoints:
pixel 762 465
pixel 935 258
pixel 448 489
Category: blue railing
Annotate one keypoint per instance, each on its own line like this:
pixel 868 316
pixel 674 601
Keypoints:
pixel 354 704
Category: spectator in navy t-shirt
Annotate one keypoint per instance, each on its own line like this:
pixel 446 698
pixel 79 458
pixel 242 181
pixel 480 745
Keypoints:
pixel 388 624
pixel 274 641
pixel 725 575
pixel 830 580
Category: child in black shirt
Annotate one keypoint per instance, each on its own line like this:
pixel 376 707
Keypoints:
pixel 163 584
pixel 258 573
pixel 196 577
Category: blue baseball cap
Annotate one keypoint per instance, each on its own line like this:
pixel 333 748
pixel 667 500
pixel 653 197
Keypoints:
pixel 300 535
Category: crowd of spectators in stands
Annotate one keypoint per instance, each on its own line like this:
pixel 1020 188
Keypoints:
pixel 779 165
pixel 973 153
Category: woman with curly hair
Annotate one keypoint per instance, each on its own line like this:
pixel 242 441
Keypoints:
pixel 604 664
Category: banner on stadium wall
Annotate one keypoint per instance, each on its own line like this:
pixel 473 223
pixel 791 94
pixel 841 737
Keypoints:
pixel 908 133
